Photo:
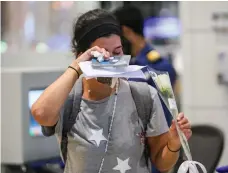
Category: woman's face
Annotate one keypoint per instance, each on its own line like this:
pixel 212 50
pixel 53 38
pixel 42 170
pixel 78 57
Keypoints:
pixel 112 44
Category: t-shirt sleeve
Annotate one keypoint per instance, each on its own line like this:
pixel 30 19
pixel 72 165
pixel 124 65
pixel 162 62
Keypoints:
pixel 57 128
pixel 157 124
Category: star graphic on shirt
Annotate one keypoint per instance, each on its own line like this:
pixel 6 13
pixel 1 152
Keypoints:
pixel 122 165
pixel 97 136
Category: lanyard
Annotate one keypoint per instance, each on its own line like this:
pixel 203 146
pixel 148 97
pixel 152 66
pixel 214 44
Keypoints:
pixel 110 126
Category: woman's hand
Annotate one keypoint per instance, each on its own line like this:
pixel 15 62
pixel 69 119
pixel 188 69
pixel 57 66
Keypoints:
pixel 87 56
pixel 185 127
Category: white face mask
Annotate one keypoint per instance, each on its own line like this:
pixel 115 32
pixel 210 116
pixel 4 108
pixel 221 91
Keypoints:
pixel 114 81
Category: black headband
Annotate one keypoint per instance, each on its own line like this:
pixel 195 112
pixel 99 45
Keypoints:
pixel 97 29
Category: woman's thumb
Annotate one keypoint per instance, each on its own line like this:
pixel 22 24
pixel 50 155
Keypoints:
pixel 173 126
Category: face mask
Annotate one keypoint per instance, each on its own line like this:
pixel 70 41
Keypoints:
pixel 108 81
pixel 114 81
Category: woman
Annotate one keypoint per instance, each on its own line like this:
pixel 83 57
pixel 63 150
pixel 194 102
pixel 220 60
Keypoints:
pixel 98 142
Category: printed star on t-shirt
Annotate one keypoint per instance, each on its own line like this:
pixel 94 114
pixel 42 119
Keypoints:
pixel 122 165
pixel 97 136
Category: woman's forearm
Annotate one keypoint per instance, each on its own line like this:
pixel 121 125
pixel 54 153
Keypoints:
pixel 46 109
pixel 166 159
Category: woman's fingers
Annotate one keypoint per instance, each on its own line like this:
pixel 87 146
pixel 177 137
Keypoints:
pixel 105 53
pixel 187 133
pixel 180 116
pixel 173 125
pixel 86 56
pixel 96 48
pixel 185 126
pixel 183 122
pixel 186 130
pixel 92 52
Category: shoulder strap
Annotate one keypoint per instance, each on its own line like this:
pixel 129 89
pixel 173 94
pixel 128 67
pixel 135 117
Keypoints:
pixel 144 105
pixel 69 121
pixel 143 101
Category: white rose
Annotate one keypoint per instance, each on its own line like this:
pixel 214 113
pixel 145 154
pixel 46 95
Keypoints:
pixel 163 81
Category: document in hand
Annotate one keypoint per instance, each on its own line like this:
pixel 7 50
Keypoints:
pixel 131 71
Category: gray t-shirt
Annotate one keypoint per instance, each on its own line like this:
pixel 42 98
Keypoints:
pixel 88 137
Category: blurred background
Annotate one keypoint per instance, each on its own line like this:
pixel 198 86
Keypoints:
pixel 36 49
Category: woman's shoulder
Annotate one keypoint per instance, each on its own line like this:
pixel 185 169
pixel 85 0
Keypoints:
pixel 141 85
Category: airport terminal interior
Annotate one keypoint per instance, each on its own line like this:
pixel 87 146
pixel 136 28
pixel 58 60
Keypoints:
pixel 36 50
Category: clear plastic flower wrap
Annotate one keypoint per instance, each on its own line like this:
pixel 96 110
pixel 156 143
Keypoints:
pixel 164 88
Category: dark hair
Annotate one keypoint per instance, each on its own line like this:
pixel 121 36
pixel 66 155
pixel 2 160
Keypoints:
pixel 131 17
pixel 87 20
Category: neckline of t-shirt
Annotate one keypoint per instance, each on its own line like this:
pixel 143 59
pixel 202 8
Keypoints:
pixel 98 101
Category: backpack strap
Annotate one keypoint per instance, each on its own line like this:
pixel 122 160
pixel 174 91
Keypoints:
pixel 142 97
pixel 69 121
pixel 144 104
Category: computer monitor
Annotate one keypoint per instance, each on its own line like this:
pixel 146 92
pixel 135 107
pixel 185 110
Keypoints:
pixel 34 128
